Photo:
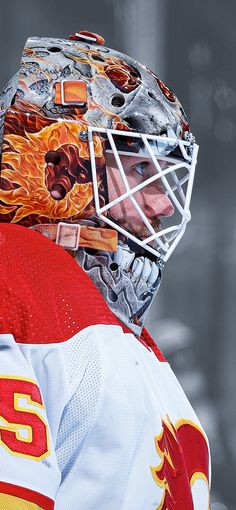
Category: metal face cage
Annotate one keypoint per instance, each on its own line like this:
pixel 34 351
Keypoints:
pixel 172 162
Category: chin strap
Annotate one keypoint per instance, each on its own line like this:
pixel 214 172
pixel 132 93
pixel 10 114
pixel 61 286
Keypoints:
pixel 73 236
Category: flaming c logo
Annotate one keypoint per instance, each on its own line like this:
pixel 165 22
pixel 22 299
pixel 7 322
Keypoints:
pixel 184 457
pixel 24 173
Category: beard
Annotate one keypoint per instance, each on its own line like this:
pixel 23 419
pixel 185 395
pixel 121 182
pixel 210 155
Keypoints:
pixel 137 227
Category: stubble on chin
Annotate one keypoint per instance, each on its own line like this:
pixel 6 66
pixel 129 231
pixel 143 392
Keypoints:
pixel 137 229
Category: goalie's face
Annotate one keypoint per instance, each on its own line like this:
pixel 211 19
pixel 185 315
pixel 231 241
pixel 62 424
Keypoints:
pixel 152 199
pixel 149 182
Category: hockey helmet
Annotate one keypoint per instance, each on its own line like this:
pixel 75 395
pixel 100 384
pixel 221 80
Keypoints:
pixel 95 148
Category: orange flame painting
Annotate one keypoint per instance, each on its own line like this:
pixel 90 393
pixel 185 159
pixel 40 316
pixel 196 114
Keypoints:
pixel 26 173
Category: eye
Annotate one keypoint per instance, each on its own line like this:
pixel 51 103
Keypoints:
pixel 140 167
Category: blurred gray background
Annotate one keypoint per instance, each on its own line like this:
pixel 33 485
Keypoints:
pixel 190 46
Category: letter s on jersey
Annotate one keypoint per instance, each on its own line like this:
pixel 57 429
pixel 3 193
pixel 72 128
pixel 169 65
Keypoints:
pixel 23 431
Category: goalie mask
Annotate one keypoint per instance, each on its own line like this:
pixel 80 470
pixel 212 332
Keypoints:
pixel 97 154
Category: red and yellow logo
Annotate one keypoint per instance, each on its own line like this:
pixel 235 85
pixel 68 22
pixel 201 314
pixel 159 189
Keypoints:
pixel 184 457
pixel 23 430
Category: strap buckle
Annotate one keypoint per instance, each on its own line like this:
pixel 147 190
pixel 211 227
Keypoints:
pixel 68 235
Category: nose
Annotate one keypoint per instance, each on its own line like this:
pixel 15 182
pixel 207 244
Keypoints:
pixel 159 205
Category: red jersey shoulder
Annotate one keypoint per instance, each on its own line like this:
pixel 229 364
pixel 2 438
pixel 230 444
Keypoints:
pixel 150 344
pixel 46 297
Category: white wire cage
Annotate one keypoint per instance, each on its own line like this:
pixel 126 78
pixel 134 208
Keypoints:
pixel 176 174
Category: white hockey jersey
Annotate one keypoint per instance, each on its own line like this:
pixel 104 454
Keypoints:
pixel 91 417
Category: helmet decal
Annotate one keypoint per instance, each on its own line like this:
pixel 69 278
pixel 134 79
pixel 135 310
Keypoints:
pixel 36 161
pixel 106 73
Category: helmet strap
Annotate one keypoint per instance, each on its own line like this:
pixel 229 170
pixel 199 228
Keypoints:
pixel 72 236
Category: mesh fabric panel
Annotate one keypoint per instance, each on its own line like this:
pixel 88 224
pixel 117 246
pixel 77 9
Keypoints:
pixel 40 281
pixel 80 412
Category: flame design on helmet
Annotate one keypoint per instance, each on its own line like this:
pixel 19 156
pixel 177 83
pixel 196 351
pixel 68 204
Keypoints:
pixel 25 176
pixel 121 94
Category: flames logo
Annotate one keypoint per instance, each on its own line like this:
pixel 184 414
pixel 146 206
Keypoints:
pixel 184 457
pixel 27 172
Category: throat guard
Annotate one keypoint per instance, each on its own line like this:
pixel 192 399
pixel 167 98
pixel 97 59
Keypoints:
pixel 128 283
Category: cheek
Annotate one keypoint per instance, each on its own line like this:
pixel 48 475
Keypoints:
pixel 151 199
pixel 116 188
pixel 115 184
